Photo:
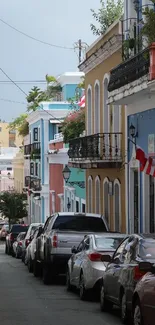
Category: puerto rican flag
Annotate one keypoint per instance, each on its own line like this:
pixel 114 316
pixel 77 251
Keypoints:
pixel 81 103
pixel 147 163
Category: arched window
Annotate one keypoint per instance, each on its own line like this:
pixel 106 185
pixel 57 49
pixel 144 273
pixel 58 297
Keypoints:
pixel 106 115
pixel 90 194
pixel 97 107
pixel 106 200
pixel 89 110
pixel 117 205
pixel 97 195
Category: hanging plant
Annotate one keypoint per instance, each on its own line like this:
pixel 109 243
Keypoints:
pixel 148 28
pixel 128 45
pixel 73 125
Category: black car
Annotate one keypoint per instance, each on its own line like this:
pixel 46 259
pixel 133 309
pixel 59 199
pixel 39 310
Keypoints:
pixel 11 237
pixel 123 272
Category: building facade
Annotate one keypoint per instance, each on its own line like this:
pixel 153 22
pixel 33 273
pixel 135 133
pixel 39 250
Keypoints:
pixel 101 152
pixel 132 84
pixel 43 125
pixel 18 171
pixel 9 138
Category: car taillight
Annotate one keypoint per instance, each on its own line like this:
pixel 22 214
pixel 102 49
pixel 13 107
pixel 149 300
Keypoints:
pixel 55 241
pixel 95 257
pixel 11 237
pixel 138 274
pixel 27 241
pixel 20 243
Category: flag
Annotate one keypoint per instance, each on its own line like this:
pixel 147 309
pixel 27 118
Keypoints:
pixel 147 163
pixel 81 103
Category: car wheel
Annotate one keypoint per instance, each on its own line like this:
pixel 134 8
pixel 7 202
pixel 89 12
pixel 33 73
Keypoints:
pixel 46 274
pixel 82 289
pixel 68 284
pixel 137 314
pixel 124 313
pixel 105 305
pixel 29 265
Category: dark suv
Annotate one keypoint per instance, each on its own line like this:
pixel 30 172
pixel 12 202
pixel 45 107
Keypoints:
pixel 11 237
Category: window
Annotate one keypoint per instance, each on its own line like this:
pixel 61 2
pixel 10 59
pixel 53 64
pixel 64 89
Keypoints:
pixel 117 205
pixel 31 168
pixel 110 243
pixel 83 208
pixel 36 169
pixel 106 199
pixel 35 134
pixel 0 129
pixel 106 114
pixel 97 107
pixel 89 110
pixel 77 206
pixel 9 168
pixel 90 193
pixel 79 223
pixel 120 249
pixel 97 195
pixel 53 202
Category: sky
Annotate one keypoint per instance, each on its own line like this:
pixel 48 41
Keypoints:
pixel 60 22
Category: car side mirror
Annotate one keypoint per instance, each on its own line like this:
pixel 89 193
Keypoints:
pixel 106 258
pixel 146 267
pixel 40 231
pixel 74 250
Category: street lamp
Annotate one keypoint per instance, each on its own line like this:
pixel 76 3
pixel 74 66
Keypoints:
pixel 132 130
pixel 66 173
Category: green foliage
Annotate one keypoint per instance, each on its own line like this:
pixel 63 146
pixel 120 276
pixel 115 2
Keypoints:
pixel 20 124
pixel 81 85
pixel 106 15
pixel 73 125
pixel 35 96
pixel 13 205
pixel 148 29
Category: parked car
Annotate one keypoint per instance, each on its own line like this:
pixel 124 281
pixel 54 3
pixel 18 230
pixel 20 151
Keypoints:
pixel 85 267
pixel 122 272
pixel 11 237
pixel 60 233
pixel 28 238
pixel 4 231
pixel 31 249
pixel 143 302
pixel 18 245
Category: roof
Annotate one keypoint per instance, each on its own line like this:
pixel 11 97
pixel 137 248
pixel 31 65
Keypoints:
pixel 110 234
pixel 80 214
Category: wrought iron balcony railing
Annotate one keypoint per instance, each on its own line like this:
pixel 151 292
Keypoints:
pixel 97 147
pixel 130 70
pixel 32 150
pixel 27 181
pixel 35 184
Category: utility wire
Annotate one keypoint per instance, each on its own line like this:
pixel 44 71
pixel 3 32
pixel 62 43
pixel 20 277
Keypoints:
pixel 12 101
pixel 36 39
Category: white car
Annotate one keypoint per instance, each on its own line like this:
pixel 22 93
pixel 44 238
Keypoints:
pixel 31 249
pixel 85 267
pixel 28 238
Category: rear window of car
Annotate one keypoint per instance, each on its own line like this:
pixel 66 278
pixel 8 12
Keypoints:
pixel 79 223
pixel 19 228
pixel 107 242
pixel 147 249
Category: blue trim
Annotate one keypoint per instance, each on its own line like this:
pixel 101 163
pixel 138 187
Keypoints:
pixel 42 151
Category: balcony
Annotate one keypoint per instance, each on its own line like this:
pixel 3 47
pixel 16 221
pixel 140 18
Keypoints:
pixel 130 70
pixel 102 150
pixel 35 184
pixel 32 150
pixel 27 181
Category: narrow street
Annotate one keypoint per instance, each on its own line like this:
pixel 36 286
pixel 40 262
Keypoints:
pixel 26 301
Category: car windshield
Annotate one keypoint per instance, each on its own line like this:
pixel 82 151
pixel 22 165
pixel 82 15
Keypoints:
pixel 107 242
pixel 19 228
pixel 147 249
pixel 79 223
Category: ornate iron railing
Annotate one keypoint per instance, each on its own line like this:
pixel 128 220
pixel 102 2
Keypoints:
pixel 33 149
pixel 27 150
pixel 101 146
pixel 130 70
pixel 35 184
pixel 27 181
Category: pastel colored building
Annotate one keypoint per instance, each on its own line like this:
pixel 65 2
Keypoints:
pixel 43 125
pixel 18 171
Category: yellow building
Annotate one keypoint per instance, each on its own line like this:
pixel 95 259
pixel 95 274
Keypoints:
pixel 9 138
pixel 102 151
pixel 18 171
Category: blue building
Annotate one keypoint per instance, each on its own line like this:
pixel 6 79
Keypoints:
pixel 43 125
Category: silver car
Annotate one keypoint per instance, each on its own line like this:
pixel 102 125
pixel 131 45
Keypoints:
pixel 85 267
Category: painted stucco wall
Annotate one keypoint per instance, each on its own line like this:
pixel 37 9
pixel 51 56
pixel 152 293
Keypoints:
pixel 56 184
